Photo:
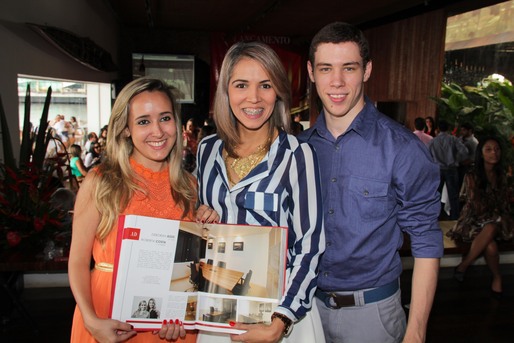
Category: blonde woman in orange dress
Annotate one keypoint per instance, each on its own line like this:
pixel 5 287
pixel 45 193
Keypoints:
pixel 141 175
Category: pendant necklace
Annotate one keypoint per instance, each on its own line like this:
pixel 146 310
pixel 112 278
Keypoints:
pixel 242 166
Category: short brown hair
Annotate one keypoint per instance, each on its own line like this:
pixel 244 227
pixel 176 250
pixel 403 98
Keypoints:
pixel 340 32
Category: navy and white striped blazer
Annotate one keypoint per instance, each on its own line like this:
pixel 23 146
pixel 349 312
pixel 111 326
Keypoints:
pixel 282 190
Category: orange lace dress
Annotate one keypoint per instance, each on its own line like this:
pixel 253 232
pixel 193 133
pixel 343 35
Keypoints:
pixel 159 203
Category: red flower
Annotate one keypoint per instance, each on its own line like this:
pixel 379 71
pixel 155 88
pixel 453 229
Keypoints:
pixel 39 223
pixel 13 238
pixel 3 201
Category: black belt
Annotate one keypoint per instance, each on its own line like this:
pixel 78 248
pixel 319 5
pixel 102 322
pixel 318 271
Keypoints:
pixel 348 300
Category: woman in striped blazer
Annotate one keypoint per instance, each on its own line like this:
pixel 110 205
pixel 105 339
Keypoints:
pixel 253 172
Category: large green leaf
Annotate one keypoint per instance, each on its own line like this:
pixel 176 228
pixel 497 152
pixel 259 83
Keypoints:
pixel 9 160
pixel 26 141
pixel 507 99
pixel 42 140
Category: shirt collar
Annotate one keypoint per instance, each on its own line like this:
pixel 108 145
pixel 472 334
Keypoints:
pixel 362 124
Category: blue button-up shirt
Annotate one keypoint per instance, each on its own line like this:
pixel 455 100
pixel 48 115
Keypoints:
pixel 282 190
pixel 378 179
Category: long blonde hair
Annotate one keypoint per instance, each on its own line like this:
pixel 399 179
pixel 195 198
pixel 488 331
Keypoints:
pixel 224 117
pixel 117 182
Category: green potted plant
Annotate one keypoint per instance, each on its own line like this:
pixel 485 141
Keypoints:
pixel 489 107
pixel 27 220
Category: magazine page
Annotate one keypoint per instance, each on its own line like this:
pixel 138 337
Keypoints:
pixel 141 278
pixel 241 275
pixel 203 274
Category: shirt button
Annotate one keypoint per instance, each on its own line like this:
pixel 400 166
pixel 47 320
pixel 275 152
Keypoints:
pixel 333 179
pixel 366 193
pixel 337 147
pixel 325 274
pixel 329 244
pixel 330 211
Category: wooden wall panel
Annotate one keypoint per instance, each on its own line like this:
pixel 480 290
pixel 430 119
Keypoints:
pixel 408 58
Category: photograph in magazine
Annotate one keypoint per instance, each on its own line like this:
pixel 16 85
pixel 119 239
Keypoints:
pixel 227 271
pixel 205 274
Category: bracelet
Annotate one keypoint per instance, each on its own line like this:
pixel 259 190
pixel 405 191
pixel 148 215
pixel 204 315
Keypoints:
pixel 288 323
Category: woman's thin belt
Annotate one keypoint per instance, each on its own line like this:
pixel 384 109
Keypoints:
pixel 104 267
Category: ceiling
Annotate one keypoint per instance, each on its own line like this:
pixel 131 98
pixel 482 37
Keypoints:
pixel 297 19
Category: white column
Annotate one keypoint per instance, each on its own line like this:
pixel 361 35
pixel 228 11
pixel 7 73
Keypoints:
pixel 98 105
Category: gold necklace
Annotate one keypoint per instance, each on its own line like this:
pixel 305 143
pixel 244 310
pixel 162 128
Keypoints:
pixel 242 166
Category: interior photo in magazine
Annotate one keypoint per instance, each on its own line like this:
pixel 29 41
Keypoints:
pixel 242 261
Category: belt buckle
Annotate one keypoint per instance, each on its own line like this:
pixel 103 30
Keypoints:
pixel 338 301
pixel 332 296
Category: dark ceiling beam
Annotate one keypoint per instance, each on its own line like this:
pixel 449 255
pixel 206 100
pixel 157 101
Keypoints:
pixel 259 16
pixel 148 9
pixel 453 7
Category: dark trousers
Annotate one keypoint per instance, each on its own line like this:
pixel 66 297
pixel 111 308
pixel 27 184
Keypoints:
pixel 450 176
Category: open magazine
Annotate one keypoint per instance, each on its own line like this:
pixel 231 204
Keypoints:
pixel 206 275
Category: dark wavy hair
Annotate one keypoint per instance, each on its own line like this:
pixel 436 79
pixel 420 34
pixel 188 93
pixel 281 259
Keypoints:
pixel 479 169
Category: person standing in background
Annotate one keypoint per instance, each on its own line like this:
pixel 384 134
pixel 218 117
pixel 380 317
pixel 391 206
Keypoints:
pixel 447 151
pixel 378 182
pixel 296 126
pixel 91 137
pixel 190 137
pixel 61 127
pixel 73 131
pixel 471 143
pixel 419 125
pixel 430 128
pixel 102 138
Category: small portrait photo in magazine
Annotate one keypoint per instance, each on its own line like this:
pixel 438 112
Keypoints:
pixel 153 308
pixel 140 308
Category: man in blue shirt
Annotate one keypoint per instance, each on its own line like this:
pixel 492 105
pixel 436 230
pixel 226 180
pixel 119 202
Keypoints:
pixel 378 181
pixel 448 151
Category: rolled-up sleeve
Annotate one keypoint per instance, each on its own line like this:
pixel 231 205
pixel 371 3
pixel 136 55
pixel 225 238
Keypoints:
pixel 417 180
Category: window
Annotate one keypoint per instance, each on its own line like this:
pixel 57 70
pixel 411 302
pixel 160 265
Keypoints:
pixel 176 70
pixel 480 43
pixel 89 103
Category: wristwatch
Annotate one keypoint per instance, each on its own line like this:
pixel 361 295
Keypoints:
pixel 288 323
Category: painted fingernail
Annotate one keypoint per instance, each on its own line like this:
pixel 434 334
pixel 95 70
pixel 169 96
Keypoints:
pixel 231 323
pixel 177 321
pixel 164 322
